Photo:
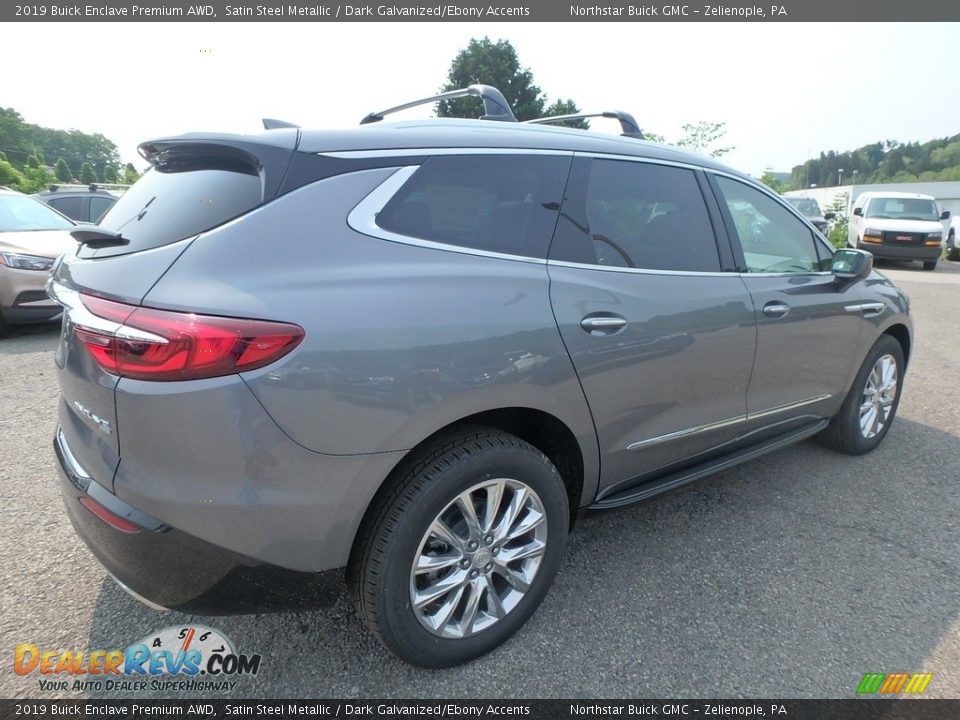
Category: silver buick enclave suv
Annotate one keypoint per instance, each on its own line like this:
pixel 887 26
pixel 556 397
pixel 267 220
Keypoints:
pixel 419 350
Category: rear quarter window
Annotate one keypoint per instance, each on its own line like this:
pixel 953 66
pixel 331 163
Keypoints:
pixel 495 203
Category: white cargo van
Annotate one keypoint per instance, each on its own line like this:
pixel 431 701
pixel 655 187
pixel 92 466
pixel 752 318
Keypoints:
pixel 898 226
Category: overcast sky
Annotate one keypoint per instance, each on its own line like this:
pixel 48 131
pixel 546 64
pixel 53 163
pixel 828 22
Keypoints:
pixel 785 91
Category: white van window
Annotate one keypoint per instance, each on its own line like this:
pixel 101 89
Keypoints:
pixel 902 209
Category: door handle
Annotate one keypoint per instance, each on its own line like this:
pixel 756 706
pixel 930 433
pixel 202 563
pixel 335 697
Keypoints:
pixel 603 324
pixel 776 309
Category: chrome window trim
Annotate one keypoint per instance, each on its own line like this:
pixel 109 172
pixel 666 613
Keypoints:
pixel 697 429
pixel 640 271
pixel 413 152
pixel 363 219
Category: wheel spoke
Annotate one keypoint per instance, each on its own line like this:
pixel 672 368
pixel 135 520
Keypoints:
pixel 470 611
pixel 465 506
pixel 445 612
pixel 530 520
pixel 442 532
pixel 494 604
pixel 432 563
pixel 517 503
pixel 494 497
pixel 867 420
pixel 534 548
pixel 429 594
pixel 516 580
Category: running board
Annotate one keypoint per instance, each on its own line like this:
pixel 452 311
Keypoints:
pixel 680 478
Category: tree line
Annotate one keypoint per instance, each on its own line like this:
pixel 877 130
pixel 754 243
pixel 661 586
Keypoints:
pixel 883 162
pixel 32 156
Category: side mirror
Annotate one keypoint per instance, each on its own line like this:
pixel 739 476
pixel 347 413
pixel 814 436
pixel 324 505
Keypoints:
pixel 851 264
pixel 829 216
pixel 858 211
pixel 945 215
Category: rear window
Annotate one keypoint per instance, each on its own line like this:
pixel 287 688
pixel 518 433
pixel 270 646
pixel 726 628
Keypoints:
pixel 163 207
pixel 497 203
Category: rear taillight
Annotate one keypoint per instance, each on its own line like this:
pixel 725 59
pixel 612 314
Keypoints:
pixel 150 344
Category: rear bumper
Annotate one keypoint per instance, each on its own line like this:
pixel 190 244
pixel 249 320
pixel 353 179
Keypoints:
pixel 893 252
pixel 166 567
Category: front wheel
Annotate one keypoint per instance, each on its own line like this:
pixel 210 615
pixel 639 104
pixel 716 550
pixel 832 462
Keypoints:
pixel 953 252
pixel 460 552
pixel 871 405
pixel 930 265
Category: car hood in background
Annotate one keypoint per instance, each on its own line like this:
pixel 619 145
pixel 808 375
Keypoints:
pixel 48 243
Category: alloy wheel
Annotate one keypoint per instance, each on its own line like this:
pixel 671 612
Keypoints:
pixel 879 394
pixel 478 558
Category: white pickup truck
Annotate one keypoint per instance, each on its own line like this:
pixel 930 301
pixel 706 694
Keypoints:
pixel 898 226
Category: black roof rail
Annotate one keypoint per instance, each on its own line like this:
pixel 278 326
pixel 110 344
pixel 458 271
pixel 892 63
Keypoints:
pixel 627 123
pixel 495 105
pixel 274 124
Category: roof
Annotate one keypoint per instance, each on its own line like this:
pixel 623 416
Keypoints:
pixel 456 133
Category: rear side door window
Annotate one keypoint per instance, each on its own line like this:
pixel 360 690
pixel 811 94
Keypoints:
pixel 72 207
pixel 772 238
pixel 99 205
pixel 637 215
pixel 495 203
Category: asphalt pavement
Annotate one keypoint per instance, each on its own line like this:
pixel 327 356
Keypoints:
pixel 790 576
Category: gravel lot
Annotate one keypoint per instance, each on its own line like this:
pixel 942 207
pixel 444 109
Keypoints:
pixel 790 576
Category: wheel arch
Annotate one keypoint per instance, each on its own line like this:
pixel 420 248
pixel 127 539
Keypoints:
pixel 900 333
pixel 544 431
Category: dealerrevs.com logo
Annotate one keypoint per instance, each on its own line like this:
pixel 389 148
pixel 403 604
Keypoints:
pixel 191 658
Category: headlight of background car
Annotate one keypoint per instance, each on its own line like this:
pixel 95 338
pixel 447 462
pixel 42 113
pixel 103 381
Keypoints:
pixel 26 262
pixel 934 238
pixel 872 235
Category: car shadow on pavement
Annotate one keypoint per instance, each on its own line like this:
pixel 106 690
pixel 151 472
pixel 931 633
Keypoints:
pixel 789 576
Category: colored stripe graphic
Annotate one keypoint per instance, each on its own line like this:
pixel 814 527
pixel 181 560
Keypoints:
pixel 893 683
pixel 918 683
pixel 871 683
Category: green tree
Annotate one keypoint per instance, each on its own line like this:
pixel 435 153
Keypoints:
pixel 130 174
pixel 36 179
pixel 9 176
pixel 109 174
pixel 492 63
pixel 702 137
pixel 32 162
pixel 87 174
pixel 771 181
pixel 62 171
pixel 566 107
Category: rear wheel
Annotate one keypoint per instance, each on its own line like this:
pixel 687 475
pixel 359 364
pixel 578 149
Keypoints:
pixel 930 265
pixel 871 405
pixel 456 558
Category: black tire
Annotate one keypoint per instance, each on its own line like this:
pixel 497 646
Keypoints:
pixel 844 433
pixel 930 265
pixel 379 573
pixel 953 252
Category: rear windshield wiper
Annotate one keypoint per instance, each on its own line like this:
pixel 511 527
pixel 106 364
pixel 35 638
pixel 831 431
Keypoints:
pixel 97 237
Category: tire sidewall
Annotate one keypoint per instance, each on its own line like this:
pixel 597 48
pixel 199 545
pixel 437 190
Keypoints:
pixel 850 412
pixel 402 631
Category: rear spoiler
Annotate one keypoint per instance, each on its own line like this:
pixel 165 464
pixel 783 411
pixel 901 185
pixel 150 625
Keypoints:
pixel 269 159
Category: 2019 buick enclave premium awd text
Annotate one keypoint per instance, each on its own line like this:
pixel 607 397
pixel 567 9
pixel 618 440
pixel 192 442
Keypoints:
pixel 419 350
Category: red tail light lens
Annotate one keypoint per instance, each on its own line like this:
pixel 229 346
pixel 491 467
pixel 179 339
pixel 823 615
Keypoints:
pixel 108 517
pixel 151 344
